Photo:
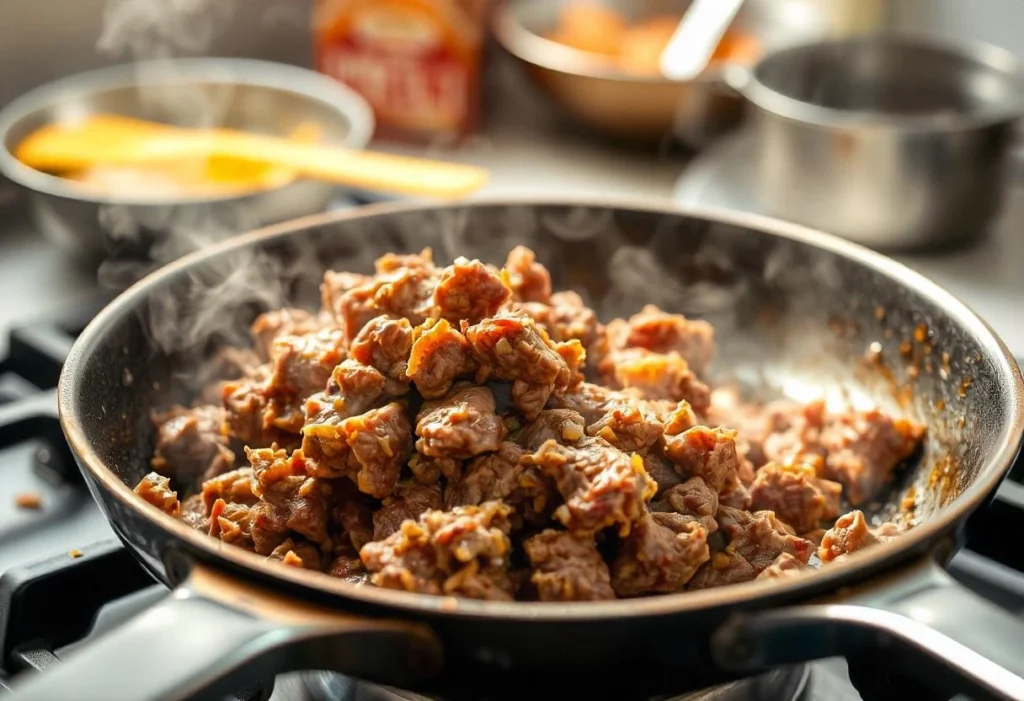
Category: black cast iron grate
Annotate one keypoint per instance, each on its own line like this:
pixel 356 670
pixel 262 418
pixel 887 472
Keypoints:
pixel 61 564
pixel 55 581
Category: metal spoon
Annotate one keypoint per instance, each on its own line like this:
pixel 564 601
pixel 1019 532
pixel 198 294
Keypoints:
pixel 695 39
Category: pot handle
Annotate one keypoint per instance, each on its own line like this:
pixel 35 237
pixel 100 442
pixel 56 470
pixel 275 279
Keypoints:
pixel 213 634
pixel 945 633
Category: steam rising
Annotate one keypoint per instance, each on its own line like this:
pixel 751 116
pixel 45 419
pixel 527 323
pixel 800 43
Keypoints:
pixel 143 238
pixel 154 29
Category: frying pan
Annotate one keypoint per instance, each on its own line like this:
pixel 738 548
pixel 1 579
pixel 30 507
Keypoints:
pixel 794 310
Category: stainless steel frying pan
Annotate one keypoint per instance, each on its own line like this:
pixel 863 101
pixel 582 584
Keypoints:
pixel 794 309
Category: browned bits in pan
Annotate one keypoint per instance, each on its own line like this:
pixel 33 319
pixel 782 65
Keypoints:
pixel 467 431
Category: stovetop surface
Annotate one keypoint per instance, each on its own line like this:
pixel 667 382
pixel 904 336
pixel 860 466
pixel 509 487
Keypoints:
pixel 64 577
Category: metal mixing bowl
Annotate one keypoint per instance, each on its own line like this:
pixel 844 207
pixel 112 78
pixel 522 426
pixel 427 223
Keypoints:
pixel 893 141
pixel 197 92
pixel 636 107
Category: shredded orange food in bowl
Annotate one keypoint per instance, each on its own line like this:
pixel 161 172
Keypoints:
pixel 635 47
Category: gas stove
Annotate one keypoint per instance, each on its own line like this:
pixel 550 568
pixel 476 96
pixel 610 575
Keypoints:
pixel 65 578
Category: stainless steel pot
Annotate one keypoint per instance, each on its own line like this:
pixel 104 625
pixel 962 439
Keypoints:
pixel 892 141
pixel 241 93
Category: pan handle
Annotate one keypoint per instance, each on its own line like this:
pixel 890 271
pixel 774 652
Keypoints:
pixel 212 634
pixel 943 632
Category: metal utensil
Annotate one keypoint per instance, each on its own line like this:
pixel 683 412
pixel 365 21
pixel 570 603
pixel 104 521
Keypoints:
pixel 790 305
pixel 701 29
pixel 240 93
pixel 891 141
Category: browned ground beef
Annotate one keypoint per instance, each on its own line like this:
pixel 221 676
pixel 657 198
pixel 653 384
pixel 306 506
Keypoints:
pixel 465 430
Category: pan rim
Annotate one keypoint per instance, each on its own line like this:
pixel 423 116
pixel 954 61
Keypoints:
pixel 991 474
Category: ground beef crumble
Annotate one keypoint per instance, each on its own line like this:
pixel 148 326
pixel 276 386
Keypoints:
pixel 567 567
pixel 466 430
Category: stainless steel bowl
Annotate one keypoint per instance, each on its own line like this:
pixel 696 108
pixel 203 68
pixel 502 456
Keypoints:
pixel 892 141
pixel 635 107
pixel 241 93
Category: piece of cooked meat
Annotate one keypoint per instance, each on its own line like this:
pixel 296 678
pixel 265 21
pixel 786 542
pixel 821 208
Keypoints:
pixel 510 347
pixel 468 291
pixel 407 503
pixel 561 425
pixel 660 554
pixel 298 553
pixel 440 354
pixel 227 364
pixel 233 487
pixel 661 471
pixel 592 401
pixel 502 476
pixel 864 449
pixel 303 364
pixel 627 428
pixel 661 332
pixel 529 280
pixel 567 567
pixel 796 494
pixel 708 453
pixel 370 448
pixel 755 541
pixel 461 425
pixel 656 376
pixel 231 523
pixel 693 499
pixel 270 466
pixel 600 485
pixel 678 419
pixel 291 505
pixel 192 443
pixel 356 520
pixel 384 344
pixel 565 318
pixel 156 489
pixel 790 432
pixel 784 565
pixel 760 536
pixel 428 470
pixel 245 402
pixel 334 286
pixel 347 566
pixel 407 292
pixel 194 513
pixel 355 307
pixel 462 552
pixel 270 326
pixel 735 494
pixel 852 533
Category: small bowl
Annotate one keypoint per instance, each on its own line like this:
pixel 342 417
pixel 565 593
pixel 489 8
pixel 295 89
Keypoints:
pixel 898 142
pixel 632 107
pixel 196 92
